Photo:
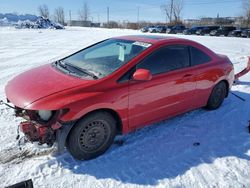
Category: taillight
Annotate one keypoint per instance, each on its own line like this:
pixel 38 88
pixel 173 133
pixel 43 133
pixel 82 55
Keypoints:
pixel 230 62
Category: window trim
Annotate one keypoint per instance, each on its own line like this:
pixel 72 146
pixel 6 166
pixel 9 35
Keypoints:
pixel 128 74
pixel 191 58
pixel 191 64
pixel 132 70
pixel 166 46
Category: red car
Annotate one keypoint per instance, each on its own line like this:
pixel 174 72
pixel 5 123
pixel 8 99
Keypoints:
pixel 116 86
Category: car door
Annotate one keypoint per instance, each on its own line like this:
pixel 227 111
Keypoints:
pixel 165 94
pixel 204 71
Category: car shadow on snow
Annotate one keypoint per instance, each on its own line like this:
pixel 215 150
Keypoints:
pixel 243 83
pixel 167 150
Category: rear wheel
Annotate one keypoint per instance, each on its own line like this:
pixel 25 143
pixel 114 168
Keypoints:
pixel 92 136
pixel 217 96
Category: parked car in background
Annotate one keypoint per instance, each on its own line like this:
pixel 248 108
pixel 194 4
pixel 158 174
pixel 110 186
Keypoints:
pixel 225 30
pixel 144 29
pixel 246 33
pixel 192 30
pixel 161 29
pixel 176 29
pixel 114 87
pixel 206 30
pixel 237 32
pixel 152 29
pixel 169 27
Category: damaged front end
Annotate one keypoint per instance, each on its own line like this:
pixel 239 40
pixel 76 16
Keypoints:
pixel 40 125
pixel 43 126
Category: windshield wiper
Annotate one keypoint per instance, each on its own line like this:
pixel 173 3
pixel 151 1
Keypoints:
pixel 58 63
pixel 85 71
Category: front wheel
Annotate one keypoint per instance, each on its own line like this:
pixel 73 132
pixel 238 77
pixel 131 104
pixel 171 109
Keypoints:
pixel 92 136
pixel 217 96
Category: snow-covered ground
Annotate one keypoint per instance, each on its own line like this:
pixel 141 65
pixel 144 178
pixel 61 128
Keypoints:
pixel 162 155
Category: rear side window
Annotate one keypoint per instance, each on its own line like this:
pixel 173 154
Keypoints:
pixel 198 57
pixel 166 59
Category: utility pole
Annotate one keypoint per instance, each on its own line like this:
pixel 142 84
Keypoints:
pixel 98 18
pixel 108 17
pixel 70 18
pixel 171 10
pixel 138 17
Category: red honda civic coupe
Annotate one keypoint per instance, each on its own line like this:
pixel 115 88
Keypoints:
pixel 83 101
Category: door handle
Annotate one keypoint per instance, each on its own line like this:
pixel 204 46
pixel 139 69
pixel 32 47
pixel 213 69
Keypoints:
pixel 187 75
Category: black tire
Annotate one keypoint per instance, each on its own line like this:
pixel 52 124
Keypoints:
pixel 92 136
pixel 217 96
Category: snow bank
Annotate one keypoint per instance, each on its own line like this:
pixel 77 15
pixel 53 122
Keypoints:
pixel 32 23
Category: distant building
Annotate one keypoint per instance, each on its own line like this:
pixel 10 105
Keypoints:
pixel 224 21
pixel 192 22
pixel 79 23
pixel 220 21
pixel 207 21
pixel 95 24
pixel 239 21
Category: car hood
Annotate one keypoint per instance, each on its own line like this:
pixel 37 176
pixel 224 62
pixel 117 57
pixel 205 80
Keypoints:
pixel 38 83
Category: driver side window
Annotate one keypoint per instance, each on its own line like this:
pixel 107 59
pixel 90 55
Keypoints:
pixel 166 59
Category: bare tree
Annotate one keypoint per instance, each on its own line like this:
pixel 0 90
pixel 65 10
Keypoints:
pixel 84 12
pixel 173 9
pixel 246 7
pixel 59 15
pixel 43 11
pixel 177 9
pixel 167 10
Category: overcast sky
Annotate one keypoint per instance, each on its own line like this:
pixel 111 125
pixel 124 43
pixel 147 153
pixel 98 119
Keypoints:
pixel 127 9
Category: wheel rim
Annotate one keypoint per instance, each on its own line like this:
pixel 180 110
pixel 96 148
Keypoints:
pixel 94 135
pixel 218 95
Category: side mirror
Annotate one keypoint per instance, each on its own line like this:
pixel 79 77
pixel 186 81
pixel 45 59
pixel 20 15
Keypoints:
pixel 142 75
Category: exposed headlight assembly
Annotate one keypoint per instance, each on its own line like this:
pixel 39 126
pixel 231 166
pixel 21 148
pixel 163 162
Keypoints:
pixel 45 115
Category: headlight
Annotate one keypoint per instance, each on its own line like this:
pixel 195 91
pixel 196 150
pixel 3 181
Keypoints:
pixel 45 115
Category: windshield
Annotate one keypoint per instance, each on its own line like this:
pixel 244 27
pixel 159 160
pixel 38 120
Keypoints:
pixel 103 58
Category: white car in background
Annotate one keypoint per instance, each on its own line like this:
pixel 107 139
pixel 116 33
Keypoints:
pixel 152 29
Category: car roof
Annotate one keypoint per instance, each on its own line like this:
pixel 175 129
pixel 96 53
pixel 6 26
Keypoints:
pixel 153 39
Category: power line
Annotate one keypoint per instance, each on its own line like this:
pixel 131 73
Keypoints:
pixel 208 3
pixel 138 15
pixel 70 17
pixel 157 5
pixel 150 6
pixel 108 16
